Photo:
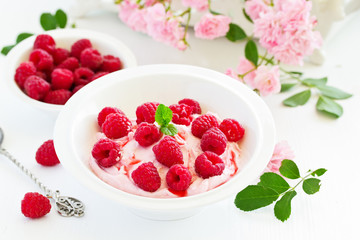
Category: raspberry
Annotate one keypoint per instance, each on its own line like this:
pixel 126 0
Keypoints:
pixel 60 55
pixel 213 140
pixel 106 111
pixel 91 58
pixel 147 177
pixel 208 164
pixel 46 155
pixel 98 75
pixel 111 64
pixel 59 96
pixel 25 70
pixel 181 114
pixel 77 88
pixel 178 177
pixel 42 75
pixel 232 129
pixel 192 103
pixel 201 124
pixel 116 126
pixel 168 152
pixel 35 205
pixel 106 152
pixel 71 64
pixel 146 112
pixel 41 59
pixel 83 76
pixel 147 134
pixel 79 46
pixel 61 78
pixel 45 42
pixel 36 87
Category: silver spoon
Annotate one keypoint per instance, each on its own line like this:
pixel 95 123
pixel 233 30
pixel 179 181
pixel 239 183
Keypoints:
pixel 66 206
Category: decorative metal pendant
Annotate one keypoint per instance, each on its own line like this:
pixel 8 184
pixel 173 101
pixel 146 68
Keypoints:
pixel 68 206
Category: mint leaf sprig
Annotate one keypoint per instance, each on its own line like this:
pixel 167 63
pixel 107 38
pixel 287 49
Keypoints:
pixel 163 117
pixel 272 186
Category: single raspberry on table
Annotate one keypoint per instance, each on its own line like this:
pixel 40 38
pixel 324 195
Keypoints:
pixel 201 124
pixel 79 46
pixel 106 152
pixel 35 205
pixel 91 58
pixel 147 134
pixel 25 70
pixel 46 155
pixel 77 88
pixel 116 126
pixel 45 42
pixel 105 112
pixel 41 59
pixel 208 164
pixel 36 87
pixel 146 112
pixel 192 103
pixel 59 96
pixel 168 152
pixel 178 177
pixel 111 64
pixel 83 76
pixel 181 114
pixel 213 140
pixel 60 55
pixel 70 63
pixel 98 75
pixel 147 177
pixel 61 78
pixel 232 129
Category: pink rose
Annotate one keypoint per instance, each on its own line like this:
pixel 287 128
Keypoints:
pixel 137 20
pixel 246 67
pixel 231 73
pixel 212 26
pixel 282 151
pixel 254 7
pixel 126 8
pixel 200 5
pixel 267 80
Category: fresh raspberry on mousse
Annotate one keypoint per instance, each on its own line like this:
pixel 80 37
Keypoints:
pixel 203 123
pixel 147 177
pixel 105 112
pixel 181 114
pixel 192 103
pixel 209 164
pixel 214 140
pixel 232 129
pixel 147 134
pixel 168 152
pixel 178 177
pixel 116 126
pixel 106 152
pixel 146 112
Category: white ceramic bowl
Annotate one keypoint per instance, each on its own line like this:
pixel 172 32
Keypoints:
pixel 64 38
pixel 76 127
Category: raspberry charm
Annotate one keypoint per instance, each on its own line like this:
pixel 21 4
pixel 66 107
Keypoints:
pixel 178 177
pixel 116 126
pixel 147 134
pixel 106 152
pixel 35 205
pixel 147 177
pixel 46 155
pixel 213 140
pixel 232 129
pixel 208 164
pixel 168 152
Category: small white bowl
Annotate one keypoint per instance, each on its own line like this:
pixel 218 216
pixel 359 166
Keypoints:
pixel 64 38
pixel 76 126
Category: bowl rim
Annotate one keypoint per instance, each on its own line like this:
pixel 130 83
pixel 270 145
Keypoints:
pixel 262 153
pixel 18 51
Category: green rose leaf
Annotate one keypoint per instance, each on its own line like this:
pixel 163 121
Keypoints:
pixel 329 107
pixel 312 82
pixel 214 13
pixel 333 92
pixel 289 169
pixel 296 73
pixel 23 36
pixel 319 172
pixel 274 181
pixel 170 130
pixel 163 115
pixel 5 50
pixel 287 86
pixel 61 18
pixel 282 208
pixel 251 52
pixel 247 16
pixel 298 99
pixel 235 33
pixel 47 21
pixel 254 197
pixel 311 185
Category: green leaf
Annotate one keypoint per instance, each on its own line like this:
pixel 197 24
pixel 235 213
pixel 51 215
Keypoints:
pixel 287 86
pixel 296 73
pixel 254 197
pixel 73 25
pixel 329 107
pixel 163 115
pixel 333 92
pixel 5 50
pixel 319 172
pixel 247 16
pixel 282 207
pixel 289 169
pixel 312 82
pixel 170 130
pixel 311 185
pixel 251 52
pixel 61 18
pixel 47 21
pixel 274 181
pixel 298 99
pixel 23 36
pixel 214 13
pixel 235 33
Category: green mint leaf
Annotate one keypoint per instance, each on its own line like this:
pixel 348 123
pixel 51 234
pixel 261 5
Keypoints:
pixel 170 130
pixel 312 82
pixel 235 33
pixel 329 107
pixel 163 115
pixel 289 169
pixel 333 92
pixel 311 185
pixel 298 99
pixel 23 36
pixel 296 73
pixel 287 86
pixel 282 207
pixel 251 52
pixel 319 172
pixel 247 16
pixel 254 197
pixel 61 18
pixel 5 50
pixel 47 21
pixel 274 181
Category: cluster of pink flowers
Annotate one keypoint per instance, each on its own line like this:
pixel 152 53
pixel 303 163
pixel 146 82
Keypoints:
pixel 282 151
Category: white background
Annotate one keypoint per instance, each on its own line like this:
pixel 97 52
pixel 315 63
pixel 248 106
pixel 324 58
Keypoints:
pixel 333 213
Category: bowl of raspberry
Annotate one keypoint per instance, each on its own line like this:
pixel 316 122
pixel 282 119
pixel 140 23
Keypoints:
pixel 165 140
pixel 47 69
